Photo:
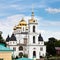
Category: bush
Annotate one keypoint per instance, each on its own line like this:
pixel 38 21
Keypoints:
pixel 25 55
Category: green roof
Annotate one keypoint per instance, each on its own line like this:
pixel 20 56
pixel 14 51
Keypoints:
pixel 23 59
pixel 2 48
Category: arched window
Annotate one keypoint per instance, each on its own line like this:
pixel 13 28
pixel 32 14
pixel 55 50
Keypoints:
pixel 34 54
pixel 33 39
pixel 20 54
pixel 23 28
pixel 33 28
pixel 20 48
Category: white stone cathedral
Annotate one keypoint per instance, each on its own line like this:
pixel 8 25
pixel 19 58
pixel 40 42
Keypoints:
pixel 26 39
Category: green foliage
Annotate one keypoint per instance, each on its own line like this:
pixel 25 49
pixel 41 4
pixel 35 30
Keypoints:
pixel 25 55
pixel 57 44
pixel 51 46
pixel 2 40
pixel 1 37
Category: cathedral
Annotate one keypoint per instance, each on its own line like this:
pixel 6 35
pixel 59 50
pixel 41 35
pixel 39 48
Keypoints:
pixel 26 40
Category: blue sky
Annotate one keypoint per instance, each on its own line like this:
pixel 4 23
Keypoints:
pixel 46 12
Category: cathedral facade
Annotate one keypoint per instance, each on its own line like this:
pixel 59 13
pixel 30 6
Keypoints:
pixel 26 39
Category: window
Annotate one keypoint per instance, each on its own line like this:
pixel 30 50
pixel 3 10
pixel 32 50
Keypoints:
pixel 20 48
pixel 14 48
pixel 33 39
pixel 33 28
pixel 34 54
pixel 41 48
pixel 23 28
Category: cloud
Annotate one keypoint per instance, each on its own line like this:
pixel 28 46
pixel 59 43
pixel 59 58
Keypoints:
pixel 50 23
pixel 47 23
pixel 47 34
pixel 52 10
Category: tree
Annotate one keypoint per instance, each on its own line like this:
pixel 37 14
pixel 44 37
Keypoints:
pixel 2 40
pixel 57 44
pixel 51 46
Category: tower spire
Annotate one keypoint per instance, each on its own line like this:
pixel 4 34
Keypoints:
pixel 32 12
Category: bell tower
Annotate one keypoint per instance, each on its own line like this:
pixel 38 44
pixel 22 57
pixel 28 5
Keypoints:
pixel 33 37
pixel 33 24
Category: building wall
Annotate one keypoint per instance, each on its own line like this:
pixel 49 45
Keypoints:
pixel 31 38
pixel 20 38
pixel 17 51
pixel 43 52
pixel 38 51
pixel 31 28
pixel 6 55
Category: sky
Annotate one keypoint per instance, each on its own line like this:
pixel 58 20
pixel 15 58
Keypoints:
pixel 47 13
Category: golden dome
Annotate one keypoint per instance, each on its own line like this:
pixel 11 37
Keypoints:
pixel 22 22
pixel 32 20
pixel 18 27
pixel 14 28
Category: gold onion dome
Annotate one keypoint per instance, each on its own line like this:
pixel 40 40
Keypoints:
pixel 17 27
pixel 14 28
pixel 32 20
pixel 22 22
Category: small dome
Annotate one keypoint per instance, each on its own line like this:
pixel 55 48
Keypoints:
pixel 13 38
pixel 40 38
pixel 14 28
pixel 8 39
pixel 18 27
pixel 31 20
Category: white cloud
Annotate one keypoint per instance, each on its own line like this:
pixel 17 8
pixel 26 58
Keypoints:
pixel 53 10
pixel 50 23
pixel 46 23
pixel 47 34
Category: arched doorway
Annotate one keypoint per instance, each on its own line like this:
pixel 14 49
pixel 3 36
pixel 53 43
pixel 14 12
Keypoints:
pixel 34 54
pixel 20 54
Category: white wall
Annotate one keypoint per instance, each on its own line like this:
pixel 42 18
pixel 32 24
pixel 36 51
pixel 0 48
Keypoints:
pixel 33 48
